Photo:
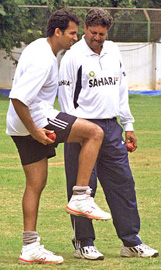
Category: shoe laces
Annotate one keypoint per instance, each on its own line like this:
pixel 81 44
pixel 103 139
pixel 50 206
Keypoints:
pixel 143 247
pixel 90 201
pixel 87 204
pixel 93 249
pixel 39 251
pixel 41 247
pixel 43 250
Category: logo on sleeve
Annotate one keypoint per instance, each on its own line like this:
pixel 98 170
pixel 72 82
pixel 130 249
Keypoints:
pixel 64 82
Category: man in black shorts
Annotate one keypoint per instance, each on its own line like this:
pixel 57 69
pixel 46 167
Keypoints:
pixel 31 117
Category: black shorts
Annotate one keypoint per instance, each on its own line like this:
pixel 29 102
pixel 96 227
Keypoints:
pixel 31 151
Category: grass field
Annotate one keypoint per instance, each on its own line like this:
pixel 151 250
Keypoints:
pixel 54 224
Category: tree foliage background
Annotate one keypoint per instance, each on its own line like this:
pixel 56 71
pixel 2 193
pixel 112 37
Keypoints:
pixel 19 25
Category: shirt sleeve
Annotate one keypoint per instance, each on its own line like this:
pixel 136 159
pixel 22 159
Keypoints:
pixel 67 82
pixel 29 84
pixel 126 118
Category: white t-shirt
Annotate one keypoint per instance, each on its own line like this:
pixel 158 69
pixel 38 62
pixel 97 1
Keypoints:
pixel 35 84
pixel 94 86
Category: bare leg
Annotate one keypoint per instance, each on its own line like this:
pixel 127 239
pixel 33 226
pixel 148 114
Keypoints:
pixel 36 177
pixel 32 251
pixel 90 136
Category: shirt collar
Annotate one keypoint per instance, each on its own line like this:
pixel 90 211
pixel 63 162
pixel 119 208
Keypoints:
pixel 88 51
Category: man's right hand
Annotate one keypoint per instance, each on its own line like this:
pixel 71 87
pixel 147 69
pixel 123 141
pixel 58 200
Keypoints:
pixel 40 135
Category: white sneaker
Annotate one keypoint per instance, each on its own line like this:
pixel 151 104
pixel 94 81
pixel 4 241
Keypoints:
pixel 36 253
pixel 84 205
pixel 89 253
pixel 141 251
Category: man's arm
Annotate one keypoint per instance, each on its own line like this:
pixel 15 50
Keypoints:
pixel 126 118
pixel 38 134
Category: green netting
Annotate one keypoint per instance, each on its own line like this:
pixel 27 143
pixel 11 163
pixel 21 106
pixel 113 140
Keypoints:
pixel 130 25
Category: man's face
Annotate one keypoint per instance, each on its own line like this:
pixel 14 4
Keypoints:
pixel 69 37
pixel 95 37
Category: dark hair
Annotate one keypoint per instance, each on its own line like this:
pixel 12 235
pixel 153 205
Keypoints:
pixel 99 16
pixel 60 19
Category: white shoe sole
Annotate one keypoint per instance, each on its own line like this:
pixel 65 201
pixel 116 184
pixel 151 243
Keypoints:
pixel 22 261
pixel 100 258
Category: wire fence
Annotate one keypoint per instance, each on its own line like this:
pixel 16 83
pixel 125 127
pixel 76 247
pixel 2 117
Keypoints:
pixel 130 24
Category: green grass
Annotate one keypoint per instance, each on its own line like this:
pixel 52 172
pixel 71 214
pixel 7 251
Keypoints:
pixel 54 225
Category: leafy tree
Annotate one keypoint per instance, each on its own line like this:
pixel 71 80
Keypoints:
pixel 19 25
pixel 148 4
pixel 26 24
pixel 11 25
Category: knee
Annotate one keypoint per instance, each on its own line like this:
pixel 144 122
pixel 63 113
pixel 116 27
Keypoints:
pixel 36 186
pixel 43 184
pixel 98 133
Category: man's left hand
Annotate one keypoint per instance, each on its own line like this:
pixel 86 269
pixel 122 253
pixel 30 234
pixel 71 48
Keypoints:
pixel 130 137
